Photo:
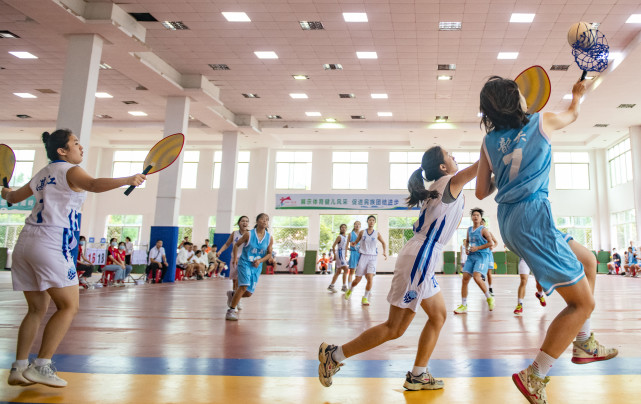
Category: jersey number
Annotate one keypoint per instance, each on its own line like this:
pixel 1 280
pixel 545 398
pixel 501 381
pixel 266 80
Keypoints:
pixel 515 159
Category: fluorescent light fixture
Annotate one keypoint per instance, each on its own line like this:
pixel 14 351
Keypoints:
pixel 298 95
pixel 567 97
pixel 634 19
pixel 24 55
pixel 313 113
pixel 444 77
pixel 137 113
pixel 8 34
pixel 355 17
pixel 589 77
pixel 518 17
pixel 105 66
pixel 450 26
pixel 508 55
pixel 366 55
pixel 104 95
pixel 236 17
pixel 330 120
pixel 300 77
pixel 379 96
pixel 479 115
pixel 384 114
pixel 266 55
pixel 440 119
pixel 25 95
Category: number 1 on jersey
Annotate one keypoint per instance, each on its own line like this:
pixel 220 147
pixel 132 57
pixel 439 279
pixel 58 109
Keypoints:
pixel 515 159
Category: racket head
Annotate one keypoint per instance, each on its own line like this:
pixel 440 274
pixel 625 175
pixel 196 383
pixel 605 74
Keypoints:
pixel 165 152
pixel 535 86
pixel 7 162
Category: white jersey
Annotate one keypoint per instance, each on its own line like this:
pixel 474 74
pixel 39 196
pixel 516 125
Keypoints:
pixel 342 243
pixel 368 243
pixel 237 237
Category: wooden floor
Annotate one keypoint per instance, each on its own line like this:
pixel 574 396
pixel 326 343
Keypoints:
pixel 170 343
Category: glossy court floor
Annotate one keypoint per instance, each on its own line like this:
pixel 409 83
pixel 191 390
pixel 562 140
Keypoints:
pixel 170 343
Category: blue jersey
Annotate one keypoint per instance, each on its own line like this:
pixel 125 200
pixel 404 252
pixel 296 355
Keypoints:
pixel 631 258
pixel 520 160
pixel 352 238
pixel 476 239
pixel 255 249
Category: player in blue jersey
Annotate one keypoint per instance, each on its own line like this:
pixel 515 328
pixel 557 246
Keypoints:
pixel 517 150
pixel 354 254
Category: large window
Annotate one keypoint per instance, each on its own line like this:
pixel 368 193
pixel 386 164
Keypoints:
pixel 121 226
pixel 461 231
pixel 579 227
pixel 185 228
pixel 330 226
pixel 128 162
pixel 10 226
pixel 624 228
pixel 293 170
pixel 190 169
pixel 212 228
pixel 242 169
pixel 23 169
pixel 288 232
pixel 620 163
pixel 464 160
pixel 349 170
pixel 400 231
pixel 401 167
pixel 571 170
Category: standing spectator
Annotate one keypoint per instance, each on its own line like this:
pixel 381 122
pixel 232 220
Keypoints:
pixel 129 250
pixel 206 248
pixel 182 243
pixel 293 260
pixel 82 263
pixel 157 260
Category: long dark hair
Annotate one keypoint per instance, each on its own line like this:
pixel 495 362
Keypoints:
pixel 241 218
pixel 258 218
pixel 54 141
pixel 431 165
pixel 501 105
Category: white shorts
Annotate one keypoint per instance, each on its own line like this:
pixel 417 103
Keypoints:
pixel 39 262
pixel 523 268
pixel 366 264
pixel 414 278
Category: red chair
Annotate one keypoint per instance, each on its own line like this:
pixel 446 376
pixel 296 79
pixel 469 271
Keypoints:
pixel 107 278
pixel 269 270
pixel 158 275
pixel 179 274
pixel 294 270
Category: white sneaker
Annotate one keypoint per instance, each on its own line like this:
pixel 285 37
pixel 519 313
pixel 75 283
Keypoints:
pixel 17 379
pixel 230 297
pixel 232 315
pixel 44 375
pixel 240 304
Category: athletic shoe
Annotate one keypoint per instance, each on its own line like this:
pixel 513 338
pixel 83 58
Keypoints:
pixel 531 386
pixel 332 289
pixel 519 310
pixel 424 381
pixel 462 309
pixel 44 375
pixel 230 297
pixel 490 303
pixel 491 292
pixel 232 315
pixel 344 288
pixel 364 301
pixel 348 294
pixel 541 299
pixel 240 305
pixel 17 379
pixel 591 351
pixel 328 367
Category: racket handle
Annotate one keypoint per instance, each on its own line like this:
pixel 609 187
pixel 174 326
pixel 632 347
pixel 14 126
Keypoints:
pixel 5 183
pixel 585 73
pixel 131 188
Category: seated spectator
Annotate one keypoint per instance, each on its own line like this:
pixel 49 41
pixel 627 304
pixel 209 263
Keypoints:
pixel 182 243
pixel 129 250
pixel 207 247
pixel 270 264
pixel 114 263
pixel 216 265
pixel 293 260
pixel 122 250
pixel 82 263
pixel 631 264
pixel 200 263
pixel 157 260
pixel 615 265
pixel 182 261
pixel 323 263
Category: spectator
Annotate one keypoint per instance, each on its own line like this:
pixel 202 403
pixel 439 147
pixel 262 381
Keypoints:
pixel 615 265
pixel 157 260
pixel 182 243
pixel 184 256
pixel 129 250
pixel 206 246
pixel 215 264
pixel 199 261
pixel 270 264
pixel 82 263
pixel 631 264
pixel 293 260
pixel 122 250
pixel 114 264
pixel 322 264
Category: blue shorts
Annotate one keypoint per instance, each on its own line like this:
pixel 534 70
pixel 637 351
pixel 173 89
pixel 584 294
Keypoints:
pixel 476 263
pixel 528 229
pixel 248 275
pixel 353 258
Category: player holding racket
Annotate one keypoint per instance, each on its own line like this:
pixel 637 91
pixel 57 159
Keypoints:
pixel 517 149
pixel 60 189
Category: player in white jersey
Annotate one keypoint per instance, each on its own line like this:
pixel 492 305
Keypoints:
pixel 414 283
pixel 341 258
pixel 60 189
pixel 243 225
pixel 524 274
pixel 367 261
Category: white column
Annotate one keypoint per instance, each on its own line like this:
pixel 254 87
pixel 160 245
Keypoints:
pixel 227 191
pixel 78 94
pixel 260 171
pixel 635 147
pixel 313 234
pixel 168 195
pixel 601 227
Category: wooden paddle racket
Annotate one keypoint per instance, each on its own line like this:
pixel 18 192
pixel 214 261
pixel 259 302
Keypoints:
pixel 7 164
pixel 162 155
pixel 535 86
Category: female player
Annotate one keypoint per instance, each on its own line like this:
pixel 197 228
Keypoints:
pixel 354 255
pixel 257 248
pixel 517 149
pixel 367 261
pixel 59 189
pixel 243 224
pixel 490 264
pixel 414 283
pixel 341 258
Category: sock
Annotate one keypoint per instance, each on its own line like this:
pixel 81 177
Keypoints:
pixel 367 293
pixel 338 354
pixel 464 301
pixel 331 285
pixel 41 362
pixel 542 364
pixel 20 363
pixel 521 301
pixel 584 333
pixel 487 294
pixel 418 370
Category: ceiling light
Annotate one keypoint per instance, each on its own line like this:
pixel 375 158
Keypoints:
pixel 274 117
pixel 479 115
pixel 332 66
pixel 518 17
pixel 508 55
pixel 137 113
pixel 311 25
pixel 358 116
pixel 266 55
pixel 567 97
pixel 250 95
pixel 313 113
pixel 104 95
pixel 384 114
pixel 346 95
pixel 174 25
pixel 378 96
pixel 23 116
pixel 447 67
pixel 590 77
pixel 219 66
pixel 330 120
pixel 441 118
pixel 300 77
pixel 444 77
pixel 634 19
pixel 104 66
pixel 129 102
pixel 8 34
pixel 236 17
pixel 103 116
pixel 366 55
pixel 449 26
pixel 298 95
pixel 560 67
pixel 24 55
pixel 355 17
pixel 25 95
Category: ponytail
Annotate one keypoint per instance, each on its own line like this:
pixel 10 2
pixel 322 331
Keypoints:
pixel 418 193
